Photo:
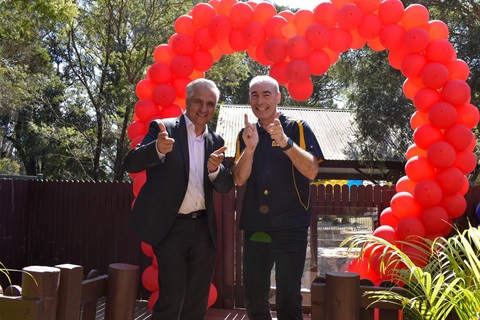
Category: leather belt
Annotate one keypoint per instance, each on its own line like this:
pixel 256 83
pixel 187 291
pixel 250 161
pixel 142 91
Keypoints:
pixel 192 215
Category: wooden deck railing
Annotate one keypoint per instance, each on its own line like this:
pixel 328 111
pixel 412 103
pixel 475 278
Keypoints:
pixel 61 293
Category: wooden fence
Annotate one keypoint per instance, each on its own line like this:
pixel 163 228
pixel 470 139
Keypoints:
pixel 85 223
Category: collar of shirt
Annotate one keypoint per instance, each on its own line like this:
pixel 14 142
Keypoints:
pixel 191 128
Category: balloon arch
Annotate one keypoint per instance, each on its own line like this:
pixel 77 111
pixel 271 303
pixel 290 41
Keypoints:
pixel 299 45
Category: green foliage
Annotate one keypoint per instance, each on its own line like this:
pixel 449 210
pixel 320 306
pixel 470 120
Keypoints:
pixel 9 166
pixel 449 281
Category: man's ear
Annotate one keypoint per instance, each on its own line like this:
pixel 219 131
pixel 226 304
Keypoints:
pixel 279 97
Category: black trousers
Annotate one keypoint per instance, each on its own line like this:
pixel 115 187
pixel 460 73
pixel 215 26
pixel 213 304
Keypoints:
pixel 186 259
pixel 286 249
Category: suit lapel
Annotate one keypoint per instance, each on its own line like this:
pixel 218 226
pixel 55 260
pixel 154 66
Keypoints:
pixel 182 133
pixel 208 151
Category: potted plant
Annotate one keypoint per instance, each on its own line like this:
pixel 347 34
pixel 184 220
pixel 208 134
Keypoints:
pixel 440 276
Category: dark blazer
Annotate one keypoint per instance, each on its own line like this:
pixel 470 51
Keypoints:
pixel 160 198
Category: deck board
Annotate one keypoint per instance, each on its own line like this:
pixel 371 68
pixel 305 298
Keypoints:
pixel 143 313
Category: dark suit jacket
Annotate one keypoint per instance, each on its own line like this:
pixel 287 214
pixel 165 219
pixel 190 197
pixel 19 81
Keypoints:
pixel 160 198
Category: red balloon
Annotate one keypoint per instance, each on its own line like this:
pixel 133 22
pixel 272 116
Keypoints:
pixel 370 26
pixel 180 85
pixel 263 11
pixel 145 109
pixel 298 71
pixel 220 26
pixel 237 41
pixel 440 50
pixel 212 295
pixel 404 184
pixel 163 53
pixel 390 11
pixel 459 136
pixel 317 35
pixel 387 218
pixel 204 39
pixel 434 75
pixel 302 20
pixel 171 111
pixel 224 46
pixel 386 232
pixel 182 66
pixel 133 144
pixel 150 278
pixel 395 57
pixel 442 115
pixel 138 182
pixel 349 17
pixel 437 30
pixel 415 40
pixel 278 72
pixel 160 72
pixel 468 115
pixel 147 249
pixel 417 119
pixel 241 14
pixel 414 150
pixel 301 91
pixel 145 88
pixel 164 95
pixel 202 13
pixel 135 129
pixel 428 193
pixel 340 40
pixel 298 47
pixel 404 205
pixel 182 44
pixel 441 154
pixel 368 6
pixel 419 168
pixel 451 180
pixel 458 69
pixel 457 92
pixel 466 161
pixel 375 44
pixel 260 55
pixel 416 254
pixel 434 219
pixel 455 205
pixel 224 6
pixel 274 27
pixel 426 134
pixel 319 62
pixel 288 15
pixel 357 40
pixel 413 64
pixel 410 227
pixel 152 299
pixel 185 25
pixel 362 267
pixel 326 13
pixel 425 98
pixel 391 36
pixel 411 86
pixel 254 34
pixel 415 15
pixel 275 50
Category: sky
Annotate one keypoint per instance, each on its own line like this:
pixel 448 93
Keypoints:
pixel 301 4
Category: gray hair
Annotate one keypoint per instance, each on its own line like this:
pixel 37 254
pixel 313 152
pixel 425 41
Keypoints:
pixel 264 79
pixel 203 83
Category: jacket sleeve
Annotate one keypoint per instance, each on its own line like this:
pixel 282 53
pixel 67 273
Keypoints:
pixel 144 155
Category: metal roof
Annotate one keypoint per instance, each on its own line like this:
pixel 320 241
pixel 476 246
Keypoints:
pixel 333 128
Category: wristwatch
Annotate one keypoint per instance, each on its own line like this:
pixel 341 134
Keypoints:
pixel 289 145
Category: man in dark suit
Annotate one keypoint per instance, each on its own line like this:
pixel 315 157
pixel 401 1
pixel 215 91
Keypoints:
pixel 174 210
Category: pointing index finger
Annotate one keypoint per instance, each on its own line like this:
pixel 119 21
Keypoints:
pixel 220 151
pixel 247 123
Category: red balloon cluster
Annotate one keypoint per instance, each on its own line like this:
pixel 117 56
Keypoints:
pixel 298 45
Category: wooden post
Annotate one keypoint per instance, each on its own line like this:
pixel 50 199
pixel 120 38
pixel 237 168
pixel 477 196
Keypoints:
pixel 121 291
pixel 343 298
pixel 318 293
pixel 69 292
pixel 41 283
